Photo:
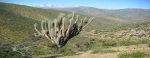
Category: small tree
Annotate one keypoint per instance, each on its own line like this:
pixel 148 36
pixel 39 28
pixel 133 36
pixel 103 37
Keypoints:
pixel 62 29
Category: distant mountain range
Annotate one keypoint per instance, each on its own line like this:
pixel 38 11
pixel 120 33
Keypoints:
pixel 50 6
pixel 130 14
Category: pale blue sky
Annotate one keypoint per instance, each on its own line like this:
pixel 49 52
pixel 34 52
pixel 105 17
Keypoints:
pixel 107 4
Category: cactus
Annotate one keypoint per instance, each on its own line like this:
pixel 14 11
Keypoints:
pixel 62 29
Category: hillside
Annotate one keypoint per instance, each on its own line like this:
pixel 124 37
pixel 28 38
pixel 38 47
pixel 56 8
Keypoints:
pixel 16 27
pixel 17 21
pixel 130 14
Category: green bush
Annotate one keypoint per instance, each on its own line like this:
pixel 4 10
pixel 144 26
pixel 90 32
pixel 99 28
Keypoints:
pixel 41 50
pixel 111 43
pixel 148 45
pixel 148 42
pixel 101 50
pixel 66 51
pixel 128 42
pixel 94 45
pixel 144 41
pixel 6 52
pixel 132 55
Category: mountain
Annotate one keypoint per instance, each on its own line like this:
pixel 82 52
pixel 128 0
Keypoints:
pixel 130 14
pixel 49 6
pixel 16 21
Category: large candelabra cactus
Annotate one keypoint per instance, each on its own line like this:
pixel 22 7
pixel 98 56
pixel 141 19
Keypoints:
pixel 62 29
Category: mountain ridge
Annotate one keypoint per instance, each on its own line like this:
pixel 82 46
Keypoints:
pixel 129 14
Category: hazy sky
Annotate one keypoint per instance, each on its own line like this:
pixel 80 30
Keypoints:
pixel 107 4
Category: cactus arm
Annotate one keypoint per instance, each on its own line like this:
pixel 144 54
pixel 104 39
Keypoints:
pixel 45 25
pixel 63 27
pixel 42 22
pixel 81 24
pixel 88 22
pixel 39 33
pixel 49 29
pixel 48 35
pixel 67 33
pixel 76 19
pixel 52 30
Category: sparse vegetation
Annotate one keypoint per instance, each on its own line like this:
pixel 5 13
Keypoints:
pixel 148 43
pixel 67 52
pixel 133 55
pixel 102 50
pixel 6 52
pixel 16 26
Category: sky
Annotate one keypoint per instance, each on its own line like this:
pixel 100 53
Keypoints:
pixel 104 4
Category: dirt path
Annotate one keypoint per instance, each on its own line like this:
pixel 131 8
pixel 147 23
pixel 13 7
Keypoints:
pixel 121 49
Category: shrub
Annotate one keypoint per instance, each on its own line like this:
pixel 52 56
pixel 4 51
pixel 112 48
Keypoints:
pixel 94 45
pixel 132 55
pixel 40 50
pixel 6 52
pixel 100 50
pixel 148 42
pixel 149 45
pixel 67 52
pixel 128 42
pixel 110 43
